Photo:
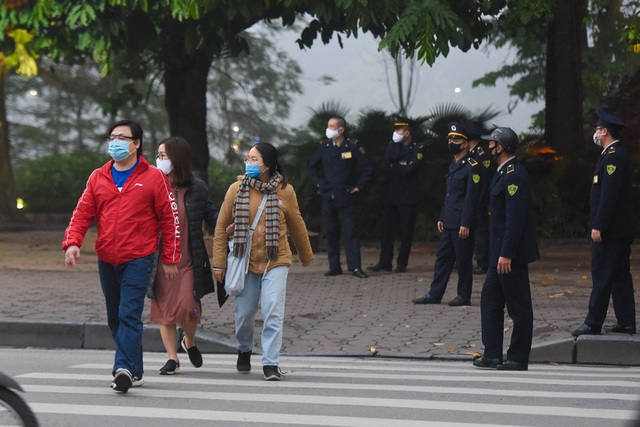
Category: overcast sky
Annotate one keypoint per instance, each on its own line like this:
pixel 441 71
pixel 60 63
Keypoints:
pixel 359 72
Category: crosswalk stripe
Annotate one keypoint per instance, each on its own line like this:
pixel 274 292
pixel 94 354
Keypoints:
pixel 252 417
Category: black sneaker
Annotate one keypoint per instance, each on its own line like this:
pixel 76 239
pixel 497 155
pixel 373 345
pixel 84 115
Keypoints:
pixel 123 381
pixel 195 357
pixel 170 368
pixel 243 365
pixel 272 373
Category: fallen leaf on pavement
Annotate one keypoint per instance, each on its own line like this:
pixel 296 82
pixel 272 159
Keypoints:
pixel 438 343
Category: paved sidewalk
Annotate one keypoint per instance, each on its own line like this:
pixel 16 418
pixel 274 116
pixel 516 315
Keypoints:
pixel 341 315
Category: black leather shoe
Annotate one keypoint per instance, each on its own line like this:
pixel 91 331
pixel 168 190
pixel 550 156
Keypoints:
pixel 379 267
pixel 511 365
pixel 485 363
pixel 401 268
pixel 359 273
pixel 620 329
pixel 585 330
pixel 458 301
pixel 480 270
pixel 333 273
pixel 426 300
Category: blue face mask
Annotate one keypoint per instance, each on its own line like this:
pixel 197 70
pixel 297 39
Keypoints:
pixel 119 150
pixel 253 170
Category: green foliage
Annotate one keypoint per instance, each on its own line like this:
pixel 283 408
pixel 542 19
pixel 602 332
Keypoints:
pixel 53 184
pixel 221 176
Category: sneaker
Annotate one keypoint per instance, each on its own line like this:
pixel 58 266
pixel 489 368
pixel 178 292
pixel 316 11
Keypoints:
pixel 243 365
pixel 272 373
pixel 137 382
pixel 195 357
pixel 170 368
pixel 122 381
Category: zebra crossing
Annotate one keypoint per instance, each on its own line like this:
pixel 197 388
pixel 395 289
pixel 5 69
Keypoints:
pixel 331 391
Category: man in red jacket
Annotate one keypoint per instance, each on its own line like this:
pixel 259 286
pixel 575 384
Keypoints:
pixel 132 203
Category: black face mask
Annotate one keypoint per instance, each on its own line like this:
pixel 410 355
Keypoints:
pixel 455 148
pixel 494 153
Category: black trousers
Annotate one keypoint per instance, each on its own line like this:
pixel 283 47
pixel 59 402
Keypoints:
pixel 511 290
pixel 334 217
pixel 610 270
pixel 397 221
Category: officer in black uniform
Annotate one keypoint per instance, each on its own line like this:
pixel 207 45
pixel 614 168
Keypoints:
pixel 402 163
pixel 479 153
pixel 333 168
pixel 457 223
pixel 513 245
pixel 612 229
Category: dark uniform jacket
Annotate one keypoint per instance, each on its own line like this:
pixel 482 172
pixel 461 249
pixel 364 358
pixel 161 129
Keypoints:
pixel 339 171
pixel 199 207
pixel 464 182
pixel 402 164
pixel 512 228
pixel 488 168
pixel 611 209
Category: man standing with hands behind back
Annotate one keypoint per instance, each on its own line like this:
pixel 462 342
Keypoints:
pixel 333 169
pixel 612 229
pixel 131 202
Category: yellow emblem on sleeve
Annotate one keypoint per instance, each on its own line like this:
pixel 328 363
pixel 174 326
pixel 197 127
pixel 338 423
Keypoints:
pixel 476 178
pixel 512 189
pixel 611 169
pixel 486 163
pixel 419 156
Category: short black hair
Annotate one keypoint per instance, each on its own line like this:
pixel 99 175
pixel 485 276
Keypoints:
pixel 135 128
pixel 270 159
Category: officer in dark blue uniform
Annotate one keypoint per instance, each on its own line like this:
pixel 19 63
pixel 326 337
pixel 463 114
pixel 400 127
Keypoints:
pixel 612 229
pixel 513 245
pixel 333 168
pixel 402 163
pixel 479 153
pixel 457 223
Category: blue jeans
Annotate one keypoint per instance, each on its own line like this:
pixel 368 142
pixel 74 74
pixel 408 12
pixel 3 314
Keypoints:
pixel 124 288
pixel 272 291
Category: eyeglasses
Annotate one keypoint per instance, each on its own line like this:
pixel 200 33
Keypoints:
pixel 598 128
pixel 121 137
pixel 161 156
pixel 251 160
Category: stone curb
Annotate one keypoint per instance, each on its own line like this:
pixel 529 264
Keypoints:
pixel 621 349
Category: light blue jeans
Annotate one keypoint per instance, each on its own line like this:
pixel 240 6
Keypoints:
pixel 271 291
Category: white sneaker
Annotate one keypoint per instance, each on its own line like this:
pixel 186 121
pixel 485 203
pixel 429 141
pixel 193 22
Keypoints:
pixel 137 382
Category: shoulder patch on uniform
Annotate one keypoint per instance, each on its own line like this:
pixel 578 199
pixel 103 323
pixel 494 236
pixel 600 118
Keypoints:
pixel 611 150
pixel 512 189
pixel 476 178
pixel 472 161
pixel 611 169
pixel 480 151
pixel 510 169
pixel 362 150
pixel 486 163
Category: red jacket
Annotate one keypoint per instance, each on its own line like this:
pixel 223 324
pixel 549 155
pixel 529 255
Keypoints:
pixel 129 220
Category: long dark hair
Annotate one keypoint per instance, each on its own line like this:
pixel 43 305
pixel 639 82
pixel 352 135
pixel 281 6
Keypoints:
pixel 270 159
pixel 136 132
pixel 179 151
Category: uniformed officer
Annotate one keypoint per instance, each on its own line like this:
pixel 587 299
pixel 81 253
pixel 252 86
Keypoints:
pixel 456 223
pixel 333 168
pixel 513 245
pixel 478 152
pixel 612 229
pixel 401 164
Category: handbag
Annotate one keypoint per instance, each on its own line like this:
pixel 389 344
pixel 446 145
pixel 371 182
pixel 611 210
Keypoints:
pixel 238 267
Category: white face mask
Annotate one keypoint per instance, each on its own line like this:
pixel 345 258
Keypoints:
pixel 332 134
pixel 596 140
pixel 164 165
pixel 397 137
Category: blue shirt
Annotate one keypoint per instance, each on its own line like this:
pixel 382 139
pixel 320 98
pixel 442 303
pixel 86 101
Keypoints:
pixel 120 177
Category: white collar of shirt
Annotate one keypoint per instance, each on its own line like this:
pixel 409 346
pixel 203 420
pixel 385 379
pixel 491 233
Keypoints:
pixel 605 149
pixel 504 163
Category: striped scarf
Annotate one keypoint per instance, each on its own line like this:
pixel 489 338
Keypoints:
pixel 241 215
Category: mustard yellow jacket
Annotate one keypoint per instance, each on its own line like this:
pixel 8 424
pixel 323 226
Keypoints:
pixel 290 221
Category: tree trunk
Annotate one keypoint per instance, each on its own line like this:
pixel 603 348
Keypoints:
pixel 563 82
pixel 9 213
pixel 186 104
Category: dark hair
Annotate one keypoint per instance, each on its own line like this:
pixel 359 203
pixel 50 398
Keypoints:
pixel 341 121
pixel 270 159
pixel 614 130
pixel 135 128
pixel 179 151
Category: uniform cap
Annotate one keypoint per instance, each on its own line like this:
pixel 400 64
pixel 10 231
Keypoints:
pixel 471 129
pixel 456 129
pixel 607 119
pixel 401 122
pixel 505 137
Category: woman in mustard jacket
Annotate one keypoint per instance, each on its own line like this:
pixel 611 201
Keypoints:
pixel 270 255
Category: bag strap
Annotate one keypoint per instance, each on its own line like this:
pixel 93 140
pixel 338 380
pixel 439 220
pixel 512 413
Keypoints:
pixel 259 213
